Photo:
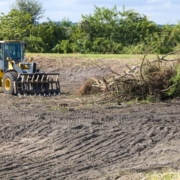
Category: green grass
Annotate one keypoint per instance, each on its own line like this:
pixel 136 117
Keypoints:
pixel 93 56
pixel 168 174
pixel 164 174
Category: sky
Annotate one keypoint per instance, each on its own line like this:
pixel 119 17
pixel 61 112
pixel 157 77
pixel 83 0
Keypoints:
pixel 159 11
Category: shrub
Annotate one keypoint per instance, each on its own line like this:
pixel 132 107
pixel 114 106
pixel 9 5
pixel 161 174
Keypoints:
pixel 174 90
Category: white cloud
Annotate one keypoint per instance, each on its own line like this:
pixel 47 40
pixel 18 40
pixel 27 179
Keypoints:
pixel 156 1
pixel 159 3
pixel 4 7
pixel 160 11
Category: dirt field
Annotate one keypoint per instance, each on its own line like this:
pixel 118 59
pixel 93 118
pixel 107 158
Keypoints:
pixel 74 137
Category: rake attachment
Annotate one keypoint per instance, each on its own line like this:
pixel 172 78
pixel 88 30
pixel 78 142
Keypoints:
pixel 37 84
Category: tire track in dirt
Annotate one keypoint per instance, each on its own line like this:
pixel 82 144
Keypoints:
pixel 89 143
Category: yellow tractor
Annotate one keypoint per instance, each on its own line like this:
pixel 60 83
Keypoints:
pixel 21 77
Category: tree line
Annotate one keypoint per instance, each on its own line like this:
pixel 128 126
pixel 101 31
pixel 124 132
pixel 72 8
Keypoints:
pixel 107 30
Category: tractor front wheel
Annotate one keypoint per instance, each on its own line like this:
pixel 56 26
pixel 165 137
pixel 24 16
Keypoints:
pixel 8 82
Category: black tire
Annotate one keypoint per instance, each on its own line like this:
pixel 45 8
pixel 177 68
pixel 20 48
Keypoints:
pixel 8 82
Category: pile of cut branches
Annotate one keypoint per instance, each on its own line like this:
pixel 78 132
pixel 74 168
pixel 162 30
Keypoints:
pixel 149 79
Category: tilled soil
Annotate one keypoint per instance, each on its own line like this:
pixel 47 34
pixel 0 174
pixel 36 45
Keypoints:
pixel 75 137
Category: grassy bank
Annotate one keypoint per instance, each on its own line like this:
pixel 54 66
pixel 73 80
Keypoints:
pixel 97 56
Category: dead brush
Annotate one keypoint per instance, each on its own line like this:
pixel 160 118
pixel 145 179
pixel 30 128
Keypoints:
pixel 157 77
pixel 90 86
pixel 153 79
pixel 150 78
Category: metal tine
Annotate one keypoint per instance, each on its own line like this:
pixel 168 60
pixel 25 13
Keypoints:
pixel 47 85
pixel 32 80
pixel 27 80
pixel 37 82
pixel 42 84
pixel 22 85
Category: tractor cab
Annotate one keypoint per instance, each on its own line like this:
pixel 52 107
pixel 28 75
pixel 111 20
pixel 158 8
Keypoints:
pixel 12 50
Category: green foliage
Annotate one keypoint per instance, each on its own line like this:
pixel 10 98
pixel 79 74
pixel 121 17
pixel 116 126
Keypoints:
pixel 107 30
pixel 113 27
pixel 15 25
pixel 35 44
pixel 57 48
pixel 74 47
pixel 174 91
pixel 134 27
pixel 65 23
pixel 33 7
pixel 50 34
pixel 65 46
pixel 161 42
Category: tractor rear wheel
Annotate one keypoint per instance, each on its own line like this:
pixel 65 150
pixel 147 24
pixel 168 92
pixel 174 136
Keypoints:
pixel 8 82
